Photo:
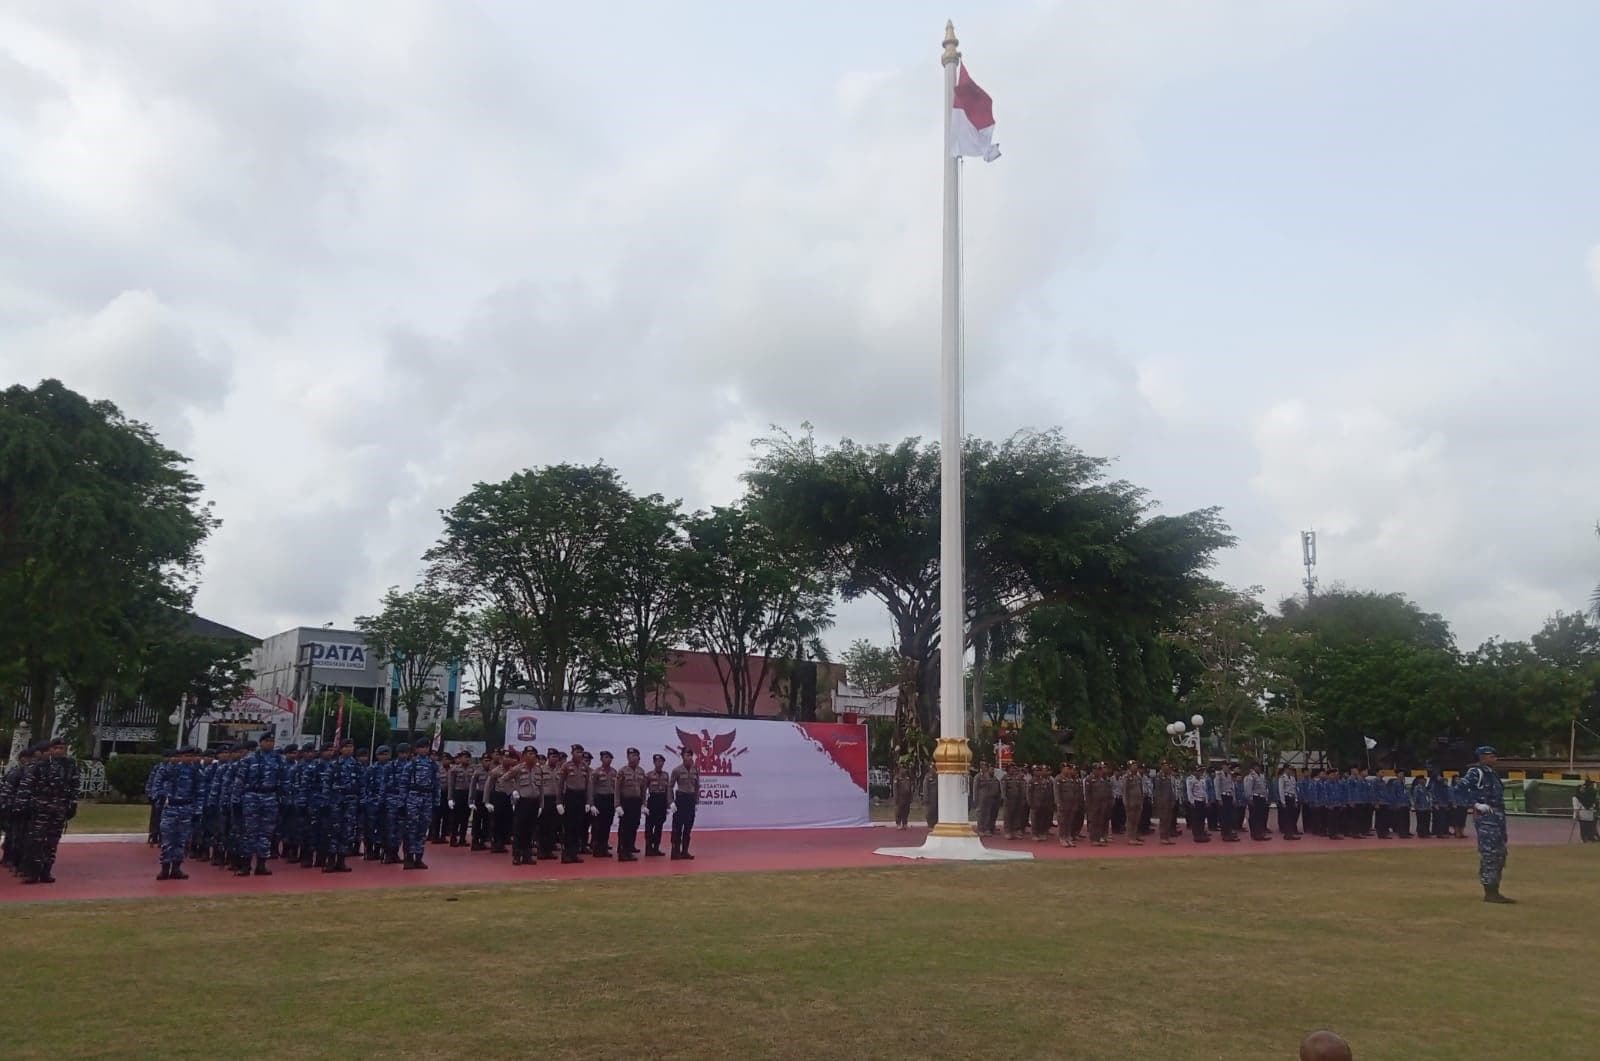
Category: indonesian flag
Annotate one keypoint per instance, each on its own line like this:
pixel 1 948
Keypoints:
pixel 972 120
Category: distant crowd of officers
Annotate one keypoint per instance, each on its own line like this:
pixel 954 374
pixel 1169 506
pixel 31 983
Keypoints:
pixel 241 807
pixel 1225 800
pixel 38 796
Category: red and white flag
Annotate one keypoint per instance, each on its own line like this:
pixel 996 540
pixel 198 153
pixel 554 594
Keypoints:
pixel 972 120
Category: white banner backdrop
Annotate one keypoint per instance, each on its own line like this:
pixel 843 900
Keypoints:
pixel 753 774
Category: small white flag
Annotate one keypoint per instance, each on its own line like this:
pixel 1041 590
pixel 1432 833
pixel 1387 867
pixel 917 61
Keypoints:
pixel 1371 744
pixel 972 120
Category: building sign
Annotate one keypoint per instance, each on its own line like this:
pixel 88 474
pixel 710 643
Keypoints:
pixel 332 656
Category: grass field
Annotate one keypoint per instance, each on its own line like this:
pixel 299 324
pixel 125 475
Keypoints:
pixel 111 818
pixel 1230 958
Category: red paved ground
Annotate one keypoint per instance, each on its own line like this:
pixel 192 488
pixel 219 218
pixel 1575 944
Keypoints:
pixel 123 870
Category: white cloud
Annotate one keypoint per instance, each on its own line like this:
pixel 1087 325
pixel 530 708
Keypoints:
pixel 355 257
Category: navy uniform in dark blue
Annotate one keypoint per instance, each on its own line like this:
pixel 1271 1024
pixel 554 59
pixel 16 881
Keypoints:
pixel 283 834
pixel 422 792
pixel 233 802
pixel 152 795
pixel 180 792
pixel 341 790
pixel 263 776
pixel 215 814
pixel 304 841
pixel 313 849
pixel 396 781
pixel 372 785
pixel 1482 790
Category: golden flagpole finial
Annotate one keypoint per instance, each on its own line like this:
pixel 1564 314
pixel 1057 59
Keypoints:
pixel 950 42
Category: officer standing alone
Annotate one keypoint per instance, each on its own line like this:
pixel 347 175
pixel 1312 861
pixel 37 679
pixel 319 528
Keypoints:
pixel 1483 791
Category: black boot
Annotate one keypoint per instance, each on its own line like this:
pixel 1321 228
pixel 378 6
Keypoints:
pixel 343 868
pixel 410 863
pixel 417 863
pixel 319 859
pixel 653 852
pixel 1491 894
pixel 627 856
pixel 261 868
pixel 178 873
pixel 166 871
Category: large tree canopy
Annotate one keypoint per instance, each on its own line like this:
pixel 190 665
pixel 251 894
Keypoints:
pixel 100 534
pixel 1045 526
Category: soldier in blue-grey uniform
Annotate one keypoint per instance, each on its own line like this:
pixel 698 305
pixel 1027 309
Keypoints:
pixel 341 791
pixel 263 776
pixel 152 794
pixel 214 816
pixel 179 793
pixel 233 796
pixel 422 791
pixel 283 835
pixel 372 789
pixel 314 846
pixel 1484 793
pixel 394 802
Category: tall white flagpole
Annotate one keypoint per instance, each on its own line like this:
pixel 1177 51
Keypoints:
pixel 953 837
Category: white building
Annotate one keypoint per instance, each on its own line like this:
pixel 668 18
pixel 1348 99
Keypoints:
pixel 301 664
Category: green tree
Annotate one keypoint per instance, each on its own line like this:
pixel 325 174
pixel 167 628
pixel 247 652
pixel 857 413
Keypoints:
pixel 1374 665
pixel 750 598
pixel 543 548
pixel 490 649
pixel 1225 634
pixel 100 534
pixel 643 598
pixel 322 717
pixel 416 633
pixel 870 668
pixel 1045 527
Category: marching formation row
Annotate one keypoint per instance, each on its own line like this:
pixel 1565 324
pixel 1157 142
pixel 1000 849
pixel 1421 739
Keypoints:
pixel 245 806
pixel 38 796
pixel 1017 801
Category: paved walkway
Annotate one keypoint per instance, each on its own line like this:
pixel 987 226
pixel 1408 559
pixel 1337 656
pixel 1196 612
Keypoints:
pixel 124 867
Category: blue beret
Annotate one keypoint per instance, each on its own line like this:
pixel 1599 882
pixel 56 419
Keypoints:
pixel 1486 750
pixel 422 742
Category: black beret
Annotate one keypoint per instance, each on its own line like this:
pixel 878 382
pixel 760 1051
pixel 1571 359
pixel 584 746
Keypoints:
pixel 250 745
pixel 347 743
pixel 422 742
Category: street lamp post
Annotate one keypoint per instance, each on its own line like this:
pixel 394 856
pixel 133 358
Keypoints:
pixel 1187 735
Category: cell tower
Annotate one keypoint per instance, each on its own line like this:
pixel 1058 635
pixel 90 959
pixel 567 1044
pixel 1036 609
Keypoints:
pixel 1308 553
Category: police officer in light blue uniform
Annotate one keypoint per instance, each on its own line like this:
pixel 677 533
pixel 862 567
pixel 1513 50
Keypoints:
pixel 422 792
pixel 1484 793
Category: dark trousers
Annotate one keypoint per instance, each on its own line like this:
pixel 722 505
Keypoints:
pixel 1288 811
pixel 154 832
pixel 600 832
pixel 1400 818
pixel 1424 822
pixel 574 823
pixel 458 818
pixel 1197 823
pixel 1258 817
pixel 1383 820
pixel 1441 821
pixel 501 802
pixel 526 819
pixel 481 825
pixel 1586 832
pixel 655 817
pixel 628 830
pixel 682 821
pixel 1226 816
pixel 549 825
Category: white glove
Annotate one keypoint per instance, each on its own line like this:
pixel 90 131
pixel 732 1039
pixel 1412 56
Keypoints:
pixel 561 808
pixel 515 795
pixel 452 804
pixel 1482 808
pixel 593 810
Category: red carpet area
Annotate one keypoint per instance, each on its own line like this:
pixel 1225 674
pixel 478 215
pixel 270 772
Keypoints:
pixel 104 867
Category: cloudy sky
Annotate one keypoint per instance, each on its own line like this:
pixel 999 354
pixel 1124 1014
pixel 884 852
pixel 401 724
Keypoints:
pixel 1330 265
